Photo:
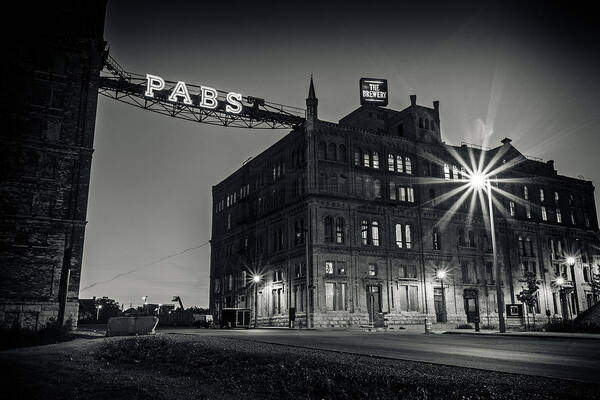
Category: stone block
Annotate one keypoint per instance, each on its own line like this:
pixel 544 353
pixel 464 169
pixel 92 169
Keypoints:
pixel 126 326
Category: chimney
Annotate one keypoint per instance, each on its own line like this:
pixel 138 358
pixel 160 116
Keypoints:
pixel 550 164
pixel 506 141
pixel 413 99
pixel 436 105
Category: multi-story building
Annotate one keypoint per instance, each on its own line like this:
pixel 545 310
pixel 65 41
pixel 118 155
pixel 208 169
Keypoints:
pixel 353 221
pixel 48 112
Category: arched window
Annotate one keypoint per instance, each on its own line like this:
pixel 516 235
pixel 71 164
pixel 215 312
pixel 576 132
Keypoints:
pixel 342 184
pixel 391 162
pixel 446 172
pixel 375 159
pixel 339 230
pixel 357 157
pixel 426 124
pixel 332 183
pixel 322 151
pixel 471 239
pixel 420 122
pixel 435 236
pixel 322 183
pixel 328 222
pixel 366 159
pixel 407 238
pixel 521 246
pixel 407 165
pixel 364 232
pixel 343 153
pixel 393 191
pixel 529 247
pixel 375 233
pixel 399 167
pixel 332 153
pixel 377 188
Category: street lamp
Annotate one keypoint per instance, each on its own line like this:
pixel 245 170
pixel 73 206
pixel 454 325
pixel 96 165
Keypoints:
pixel 571 260
pixel 559 281
pixel 98 307
pixel 256 280
pixel 441 275
pixel 478 181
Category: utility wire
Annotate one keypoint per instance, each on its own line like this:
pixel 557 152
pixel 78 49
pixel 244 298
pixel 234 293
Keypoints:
pixel 145 266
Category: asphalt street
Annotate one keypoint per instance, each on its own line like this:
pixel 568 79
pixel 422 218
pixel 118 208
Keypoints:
pixel 577 359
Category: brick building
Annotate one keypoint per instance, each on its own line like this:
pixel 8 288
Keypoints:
pixel 48 112
pixel 362 212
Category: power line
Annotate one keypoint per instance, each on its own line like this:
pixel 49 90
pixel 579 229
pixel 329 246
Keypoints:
pixel 146 265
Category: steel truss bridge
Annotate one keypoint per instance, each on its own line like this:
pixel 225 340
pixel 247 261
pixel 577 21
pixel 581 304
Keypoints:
pixel 118 84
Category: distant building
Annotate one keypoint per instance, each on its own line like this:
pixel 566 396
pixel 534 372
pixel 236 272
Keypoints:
pixel 49 90
pixel 359 213
pixel 87 310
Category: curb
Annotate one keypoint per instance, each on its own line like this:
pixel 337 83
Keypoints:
pixel 589 336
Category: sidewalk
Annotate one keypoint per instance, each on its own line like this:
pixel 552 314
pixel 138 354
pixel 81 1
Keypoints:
pixel 547 335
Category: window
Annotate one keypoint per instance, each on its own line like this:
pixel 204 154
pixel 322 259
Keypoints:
pixel 329 267
pixel 377 188
pixel 364 229
pixel 528 211
pixel 391 162
pixel 529 247
pixel 372 270
pixel 542 197
pixel 407 272
pixel 375 233
pixel 357 157
pixel 276 301
pixel 407 165
pixel 366 159
pixel 521 246
pixel 399 235
pixel 328 222
pixel 446 172
pixel 402 194
pixel 435 239
pixel 410 195
pixel 454 172
pixel 512 208
pixel 342 154
pixel 573 217
pixel 392 191
pixel 408 296
pixel 489 273
pixel 299 236
pixel 558 216
pixel 335 296
pixel 399 166
pixel 544 214
pixel 407 239
pixel 375 159
pixel 339 230
pixel 586 274
pixel 341 268
pixel 525 193
pixel 332 152
pixel 556 197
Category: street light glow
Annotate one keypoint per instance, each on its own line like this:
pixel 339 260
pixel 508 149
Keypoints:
pixel 256 278
pixel 560 281
pixel 441 274
pixel 477 180
pixel 571 260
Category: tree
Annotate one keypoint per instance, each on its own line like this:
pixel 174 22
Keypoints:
pixel 528 295
pixel 109 308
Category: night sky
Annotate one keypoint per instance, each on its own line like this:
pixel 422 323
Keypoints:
pixel 524 72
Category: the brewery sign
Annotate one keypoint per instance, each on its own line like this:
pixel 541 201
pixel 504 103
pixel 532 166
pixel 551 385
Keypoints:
pixel 373 91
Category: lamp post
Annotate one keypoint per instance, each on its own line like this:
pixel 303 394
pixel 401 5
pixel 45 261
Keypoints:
pixel 441 275
pixel 98 307
pixel 478 181
pixel 256 280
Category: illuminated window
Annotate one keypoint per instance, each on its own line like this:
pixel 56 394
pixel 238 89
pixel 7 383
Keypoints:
pixel 339 230
pixel 525 193
pixel 407 165
pixel 399 235
pixel 455 172
pixel 375 159
pixel 364 232
pixel 512 208
pixel 446 172
pixel 372 270
pixel 366 159
pixel 399 165
pixel 335 296
pixel 528 211
pixel 407 238
pixel 391 162
pixel 544 214
pixel 392 191
pixel 357 157
pixel 402 194
pixel 377 188
pixel 410 195
pixel 573 217
pixel 375 233
pixel 329 267
pixel 521 246
pixel 556 197
pixel 436 239
pixel 542 195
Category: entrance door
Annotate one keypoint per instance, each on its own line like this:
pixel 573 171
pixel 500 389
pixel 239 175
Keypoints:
pixel 374 304
pixel 471 305
pixel 439 303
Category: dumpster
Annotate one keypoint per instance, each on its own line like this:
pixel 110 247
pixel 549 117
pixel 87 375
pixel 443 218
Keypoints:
pixel 236 318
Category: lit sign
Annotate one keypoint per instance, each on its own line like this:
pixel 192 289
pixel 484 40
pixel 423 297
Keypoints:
pixel 206 97
pixel 373 91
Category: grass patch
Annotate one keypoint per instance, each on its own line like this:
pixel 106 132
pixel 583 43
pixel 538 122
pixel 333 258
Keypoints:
pixel 464 326
pixel 256 370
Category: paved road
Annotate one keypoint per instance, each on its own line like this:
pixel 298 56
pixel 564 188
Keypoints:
pixel 577 359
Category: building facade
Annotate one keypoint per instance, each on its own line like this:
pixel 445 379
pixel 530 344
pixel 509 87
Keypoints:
pixel 48 113
pixel 349 223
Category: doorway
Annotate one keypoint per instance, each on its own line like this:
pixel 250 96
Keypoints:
pixel 374 304
pixel 471 305
pixel 439 302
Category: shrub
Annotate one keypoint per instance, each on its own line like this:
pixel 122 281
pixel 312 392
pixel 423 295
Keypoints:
pixel 464 326
pixel 560 325
pixel 488 326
